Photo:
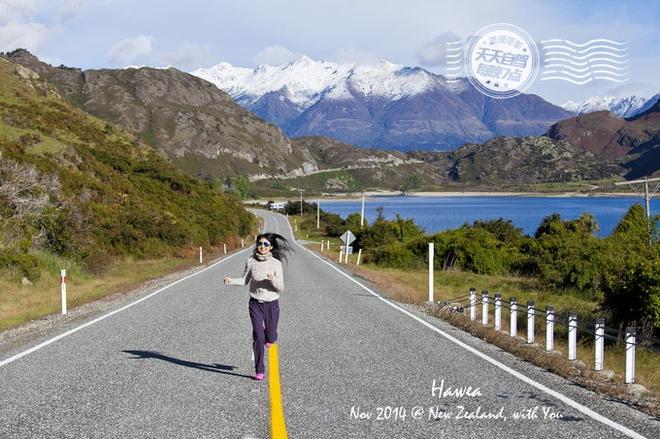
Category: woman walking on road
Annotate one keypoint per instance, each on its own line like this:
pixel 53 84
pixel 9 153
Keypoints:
pixel 264 271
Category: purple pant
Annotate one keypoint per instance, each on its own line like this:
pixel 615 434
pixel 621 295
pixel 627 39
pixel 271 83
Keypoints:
pixel 264 317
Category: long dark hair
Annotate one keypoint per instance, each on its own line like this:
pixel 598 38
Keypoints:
pixel 279 245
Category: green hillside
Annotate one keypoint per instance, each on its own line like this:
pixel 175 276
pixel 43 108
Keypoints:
pixel 75 187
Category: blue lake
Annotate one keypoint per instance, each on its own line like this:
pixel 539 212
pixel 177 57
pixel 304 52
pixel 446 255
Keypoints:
pixel 435 214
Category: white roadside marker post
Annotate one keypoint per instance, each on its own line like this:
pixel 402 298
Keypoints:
pixel 225 248
pixel 473 304
pixel 431 257
pixel 341 254
pixel 572 336
pixel 530 322
pixel 359 256
pixel 200 255
pixel 63 290
pixel 630 355
pixel 484 308
pixel 513 330
pixel 549 328
pixel 599 346
pixel 498 312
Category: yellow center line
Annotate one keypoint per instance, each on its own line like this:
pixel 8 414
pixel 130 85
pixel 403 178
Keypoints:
pixel 277 425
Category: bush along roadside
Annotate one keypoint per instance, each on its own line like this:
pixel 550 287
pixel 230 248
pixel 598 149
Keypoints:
pixel 620 274
pixel 497 255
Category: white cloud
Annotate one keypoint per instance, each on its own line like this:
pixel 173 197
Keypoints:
pixel 17 27
pixel 127 50
pixel 350 55
pixel 30 36
pixel 69 9
pixel 275 56
pixel 434 53
pixel 12 11
pixel 187 57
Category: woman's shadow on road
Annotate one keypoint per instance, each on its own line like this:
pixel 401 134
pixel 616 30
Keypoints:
pixel 217 367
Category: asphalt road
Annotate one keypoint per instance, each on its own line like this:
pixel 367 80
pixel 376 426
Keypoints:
pixel 178 364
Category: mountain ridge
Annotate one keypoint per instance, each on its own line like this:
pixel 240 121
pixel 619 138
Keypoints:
pixel 115 93
pixel 622 106
pixel 382 104
pixel 634 142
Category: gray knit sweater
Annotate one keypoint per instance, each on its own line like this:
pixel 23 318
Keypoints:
pixel 256 272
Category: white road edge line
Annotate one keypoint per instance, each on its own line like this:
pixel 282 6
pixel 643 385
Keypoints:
pixel 566 400
pixel 105 316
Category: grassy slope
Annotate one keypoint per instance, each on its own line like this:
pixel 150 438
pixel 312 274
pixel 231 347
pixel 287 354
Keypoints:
pixel 133 216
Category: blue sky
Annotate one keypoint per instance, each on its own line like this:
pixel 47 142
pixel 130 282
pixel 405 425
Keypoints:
pixel 197 33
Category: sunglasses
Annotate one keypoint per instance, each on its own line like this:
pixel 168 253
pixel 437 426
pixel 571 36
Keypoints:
pixel 263 244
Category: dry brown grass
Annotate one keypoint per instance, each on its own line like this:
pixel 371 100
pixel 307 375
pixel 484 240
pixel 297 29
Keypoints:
pixel 22 303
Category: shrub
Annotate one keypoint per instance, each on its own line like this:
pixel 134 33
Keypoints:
pixel 630 261
pixel 565 253
pixel 27 264
pixel 396 255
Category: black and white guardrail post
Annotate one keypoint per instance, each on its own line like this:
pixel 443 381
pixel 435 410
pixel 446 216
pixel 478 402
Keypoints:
pixel 498 312
pixel 550 319
pixel 514 318
pixel 599 344
pixel 530 322
pixel 572 336
pixel 484 309
pixel 630 355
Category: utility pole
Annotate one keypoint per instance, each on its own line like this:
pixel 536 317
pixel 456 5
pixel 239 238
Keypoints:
pixel 318 214
pixel 362 212
pixel 648 194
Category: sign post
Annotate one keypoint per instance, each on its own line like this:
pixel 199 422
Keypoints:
pixel 347 238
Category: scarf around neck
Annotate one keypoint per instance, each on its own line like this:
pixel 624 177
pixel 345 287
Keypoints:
pixel 263 257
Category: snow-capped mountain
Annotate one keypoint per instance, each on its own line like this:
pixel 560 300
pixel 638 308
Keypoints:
pixel 304 81
pixel 382 104
pixel 648 104
pixel 626 106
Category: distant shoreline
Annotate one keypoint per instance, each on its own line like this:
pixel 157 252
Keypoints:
pixel 349 197
pixel 372 194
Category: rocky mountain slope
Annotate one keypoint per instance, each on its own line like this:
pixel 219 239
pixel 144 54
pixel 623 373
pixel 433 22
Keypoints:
pixel 527 160
pixel 501 163
pixel 634 142
pixel 384 105
pixel 199 127
pixel 207 135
